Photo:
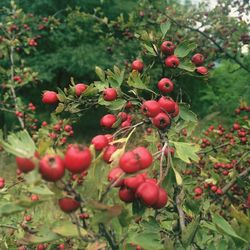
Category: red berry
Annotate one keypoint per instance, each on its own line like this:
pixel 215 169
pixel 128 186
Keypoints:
pixel 109 94
pixel 144 157
pixel 125 124
pixel 161 121
pixel 114 175
pixel 108 121
pixel 135 181
pixel 68 205
pixel 148 193
pixel 41 247
pixel 219 191
pixel 165 85
pixel 68 128
pixel 123 116
pixel 126 195
pixel 24 164
pixel 236 126
pixel 28 218
pixel 176 110
pixel 129 162
pixel 51 168
pixel 150 108
pixel 100 142
pixel 167 47
pixel 198 59
pixel 44 124
pixel 80 88
pixel 34 197
pixel 172 61
pixel 109 150
pixel 162 199
pixel 167 104
pixel 202 70
pixel 57 127
pixel 61 246
pixel 198 191
pixel 137 65
pixel 49 97
pixel 77 158
pixel 214 188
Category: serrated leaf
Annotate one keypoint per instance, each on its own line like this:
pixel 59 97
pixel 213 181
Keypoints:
pixel 135 81
pixel 41 237
pixel 165 28
pixel 67 229
pixel 225 227
pixel 186 114
pixel 186 151
pixel 19 144
pixel 184 48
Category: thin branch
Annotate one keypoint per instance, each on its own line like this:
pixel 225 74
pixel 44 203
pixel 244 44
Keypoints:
pixel 178 201
pixel 9 226
pixel 108 237
pixel 211 39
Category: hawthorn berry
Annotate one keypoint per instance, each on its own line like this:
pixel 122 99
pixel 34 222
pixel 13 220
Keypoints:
pixel 51 168
pixel 77 158
pixel 135 181
pixel 100 142
pixel 167 47
pixel 165 85
pixel 109 94
pixel 161 121
pixel 49 97
pixel 114 175
pixel 150 108
pixel 137 65
pixel 198 59
pixel 162 199
pixel 172 61
pixel 167 104
pixel 126 195
pixel 80 88
pixel 107 121
pixel 202 70
pixel 109 150
pixel 68 205
pixel 148 193
pixel 25 164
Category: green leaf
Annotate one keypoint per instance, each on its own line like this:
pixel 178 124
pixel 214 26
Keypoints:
pixel 184 48
pixel 67 229
pixel 188 66
pixel 189 232
pixel 147 240
pixel 117 104
pixel 186 151
pixel 44 235
pixel 135 81
pixel 100 73
pixel 165 28
pixel 186 114
pixel 150 50
pixel 42 190
pixel 225 227
pixel 19 144
pixel 115 79
pixel 8 208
